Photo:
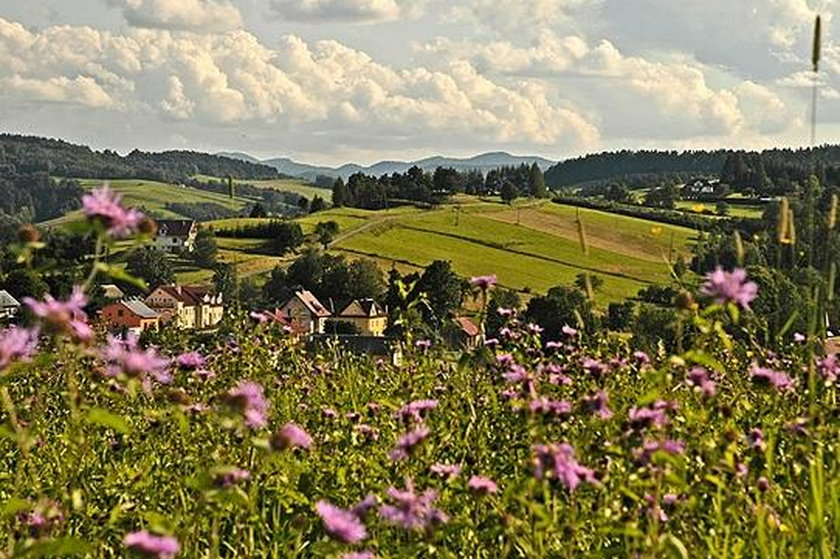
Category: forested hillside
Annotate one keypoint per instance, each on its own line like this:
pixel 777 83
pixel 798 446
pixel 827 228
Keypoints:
pixel 20 155
pixel 772 170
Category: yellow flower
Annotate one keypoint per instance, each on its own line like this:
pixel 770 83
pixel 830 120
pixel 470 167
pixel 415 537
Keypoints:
pixel 655 231
pixel 698 208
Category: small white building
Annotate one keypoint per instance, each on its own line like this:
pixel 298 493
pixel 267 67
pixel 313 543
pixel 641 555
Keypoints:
pixel 176 235
pixel 305 310
pixel 9 306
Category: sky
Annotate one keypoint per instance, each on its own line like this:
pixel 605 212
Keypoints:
pixel 335 81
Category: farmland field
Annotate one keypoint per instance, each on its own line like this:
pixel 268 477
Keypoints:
pixel 296 186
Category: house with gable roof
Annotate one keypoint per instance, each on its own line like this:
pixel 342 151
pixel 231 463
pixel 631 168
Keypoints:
pixel 9 306
pixel 366 315
pixel 176 235
pixel 133 315
pixel 307 311
pixel 187 306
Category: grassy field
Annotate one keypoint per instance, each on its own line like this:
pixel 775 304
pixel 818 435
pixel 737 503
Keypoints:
pixel 153 197
pixel 297 186
pixel 751 211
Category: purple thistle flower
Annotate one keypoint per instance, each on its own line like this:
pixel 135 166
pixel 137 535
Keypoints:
pixel 641 357
pixel 482 485
pixel 755 438
pixel 412 511
pixel 16 344
pixel 341 524
pixel 731 287
pixel 668 446
pixel 799 338
pixel 568 331
pixel 230 478
pixel 647 417
pixel 558 462
pixel 534 329
pixel 546 406
pixel 423 344
pixel 505 359
pixel 828 367
pixel 191 361
pixel 598 404
pixel 407 442
pixel 416 410
pixel 103 205
pixel 554 345
pixel 364 506
pixel 595 367
pixel 778 380
pixel 368 432
pixel 329 413
pixel 446 471
pixel 64 317
pixel 483 282
pixel 505 312
pixel 289 436
pixel 126 357
pixel 248 398
pixel 699 379
pixel 149 545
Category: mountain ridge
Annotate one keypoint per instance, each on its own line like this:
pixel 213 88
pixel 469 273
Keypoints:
pixel 482 162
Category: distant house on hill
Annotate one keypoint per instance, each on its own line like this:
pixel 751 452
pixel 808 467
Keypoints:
pixel 306 310
pixel 9 306
pixel 187 306
pixel 366 315
pixel 132 315
pixel 704 189
pixel 176 235
pixel 468 334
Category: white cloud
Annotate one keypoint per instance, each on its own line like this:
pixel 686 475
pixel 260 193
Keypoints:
pixel 60 89
pixel 191 15
pixel 347 10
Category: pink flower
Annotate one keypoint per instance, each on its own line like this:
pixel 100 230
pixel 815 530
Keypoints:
pixel 232 477
pixel 483 282
pixel 568 331
pixel 416 410
pixel 341 524
pixel 191 361
pixel 407 442
pixel 412 511
pixel 248 398
pixel 64 317
pixel 598 404
pixel 829 368
pixel 149 545
pixel 698 378
pixel 16 344
pixel 125 357
pixel 731 287
pixel 482 485
pixel 290 435
pixel 546 406
pixel 649 417
pixel 103 205
pixel 359 555
pixel 778 380
pixel 447 471
pixel 558 462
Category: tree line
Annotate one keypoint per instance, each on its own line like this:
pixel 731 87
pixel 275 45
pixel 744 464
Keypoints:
pixel 417 186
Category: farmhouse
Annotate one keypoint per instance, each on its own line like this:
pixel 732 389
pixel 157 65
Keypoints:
pixel 112 292
pixel 189 307
pixel 132 315
pixel 366 315
pixel 306 310
pixel 468 335
pixel 176 235
pixel 704 189
pixel 9 306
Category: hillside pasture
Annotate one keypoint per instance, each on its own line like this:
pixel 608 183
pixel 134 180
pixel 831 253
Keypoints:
pixel 296 186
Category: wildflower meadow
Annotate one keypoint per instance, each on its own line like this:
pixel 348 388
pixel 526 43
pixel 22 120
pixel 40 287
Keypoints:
pixel 245 443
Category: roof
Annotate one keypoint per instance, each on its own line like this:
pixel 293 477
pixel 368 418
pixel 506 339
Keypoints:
pixel 190 295
pixel 362 308
pixel 112 291
pixel 832 345
pixel 139 308
pixel 312 303
pixel 175 227
pixel 6 299
pixel 468 326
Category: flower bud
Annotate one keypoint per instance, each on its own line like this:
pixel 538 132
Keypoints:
pixel 684 300
pixel 29 234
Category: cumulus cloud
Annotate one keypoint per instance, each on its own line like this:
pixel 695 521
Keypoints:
pixel 191 15
pixel 233 79
pixel 347 10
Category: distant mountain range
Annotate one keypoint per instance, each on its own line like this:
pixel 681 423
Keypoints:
pixel 483 162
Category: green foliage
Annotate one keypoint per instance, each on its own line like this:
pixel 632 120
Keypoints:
pixel 205 250
pixel 562 306
pixel 326 232
pixel 151 264
pixel 508 192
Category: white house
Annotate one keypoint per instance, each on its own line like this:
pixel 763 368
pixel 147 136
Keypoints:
pixel 9 306
pixel 187 306
pixel 176 235
pixel 305 310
